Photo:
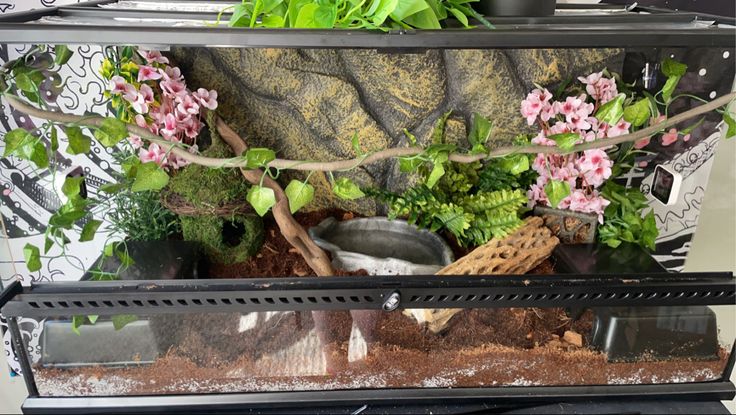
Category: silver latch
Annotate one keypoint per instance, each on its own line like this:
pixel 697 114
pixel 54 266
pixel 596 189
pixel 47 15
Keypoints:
pixel 392 301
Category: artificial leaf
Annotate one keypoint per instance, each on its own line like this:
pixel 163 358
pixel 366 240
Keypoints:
pixel 109 249
pixel 125 259
pixel 515 164
pixel 77 322
pixel 344 188
pixel 425 19
pixel 111 132
pixel 409 164
pixel 78 142
pixel 405 8
pixel 305 17
pixel 72 186
pixel 240 16
pixel 731 123
pixel 149 176
pixel 261 198
pixel 63 54
pixel 556 190
pixel 293 11
pixel 669 87
pixel 565 141
pixel 17 139
pixel 39 156
pixel 480 131
pixel 89 230
pixel 299 194
pixel 48 243
pixel 121 320
pixel 25 84
pixel 356 144
pixel 671 67
pixel 638 113
pixel 258 157
pixel 32 257
pixel 93 319
pixel 385 8
pixel 54 139
pixel 324 17
pixel 460 16
pixel 612 111
pixel 438 170
pixel 112 188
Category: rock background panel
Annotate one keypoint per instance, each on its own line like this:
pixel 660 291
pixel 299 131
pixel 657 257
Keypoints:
pixel 307 104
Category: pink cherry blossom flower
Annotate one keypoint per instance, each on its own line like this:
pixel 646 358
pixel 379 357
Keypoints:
pixel 188 105
pixel 173 73
pixel 619 129
pixel 144 97
pixel 207 99
pixel 643 164
pixel 599 87
pixel 140 121
pixel 535 102
pixel 153 153
pixel 169 125
pixel 642 143
pixel 535 195
pixel 595 166
pixel 686 138
pixel 7 191
pixel 669 137
pixel 152 56
pixel 542 140
pixel 576 122
pixel 569 107
pixel 173 88
pixel 135 141
pixel 118 86
pixel 148 73
pixel 192 128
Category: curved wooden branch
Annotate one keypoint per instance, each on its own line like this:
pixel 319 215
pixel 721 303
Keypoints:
pixel 379 155
pixel 294 233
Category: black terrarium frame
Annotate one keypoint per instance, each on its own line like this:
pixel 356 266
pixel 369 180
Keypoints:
pixel 381 293
pixel 634 30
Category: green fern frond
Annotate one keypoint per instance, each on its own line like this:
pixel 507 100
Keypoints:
pixel 500 200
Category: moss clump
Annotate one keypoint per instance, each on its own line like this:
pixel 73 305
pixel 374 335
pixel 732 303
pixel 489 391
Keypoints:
pixel 205 187
pixel 226 240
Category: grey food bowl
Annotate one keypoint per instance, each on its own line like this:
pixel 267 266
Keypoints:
pixel 381 246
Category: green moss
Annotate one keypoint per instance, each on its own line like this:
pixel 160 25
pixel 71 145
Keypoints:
pixel 226 240
pixel 205 187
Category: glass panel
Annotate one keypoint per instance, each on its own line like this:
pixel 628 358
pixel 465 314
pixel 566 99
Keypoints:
pixel 321 350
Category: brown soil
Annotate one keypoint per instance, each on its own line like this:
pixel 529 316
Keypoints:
pixel 519 347
pixel 277 258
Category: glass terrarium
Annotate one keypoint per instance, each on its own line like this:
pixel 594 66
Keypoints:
pixel 510 283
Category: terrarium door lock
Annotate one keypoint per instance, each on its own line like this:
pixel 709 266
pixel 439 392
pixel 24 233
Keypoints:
pixel 392 301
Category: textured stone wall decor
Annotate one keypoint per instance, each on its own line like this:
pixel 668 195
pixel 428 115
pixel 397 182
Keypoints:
pixel 307 104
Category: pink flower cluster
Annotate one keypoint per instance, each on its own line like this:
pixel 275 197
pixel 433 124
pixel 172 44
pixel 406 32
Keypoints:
pixel 163 105
pixel 584 172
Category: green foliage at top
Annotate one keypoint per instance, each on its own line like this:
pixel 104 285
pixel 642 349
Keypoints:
pixel 474 202
pixel 352 14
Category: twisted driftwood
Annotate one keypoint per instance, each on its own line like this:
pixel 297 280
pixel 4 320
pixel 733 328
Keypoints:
pixel 518 253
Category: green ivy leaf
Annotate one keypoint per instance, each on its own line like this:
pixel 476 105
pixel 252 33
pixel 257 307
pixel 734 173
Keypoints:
pixel 344 188
pixel 299 194
pixel 109 249
pixel 258 157
pixel 612 111
pixel 671 67
pixel 731 123
pixel 438 170
pixel 556 191
pixel 669 88
pixel 409 164
pixel 565 141
pixel 261 198
pixel 356 145
pixel 39 156
pixel 48 243
pixel 121 320
pixel 122 254
pixel 25 84
pixel 32 257
pixel 111 132
pixel 54 139
pixel 72 186
pixel 385 8
pixel 480 131
pixel 78 142
pixel 515 164
pixel 77 322
pixel 638 113
pixel 406 8
pixel 92 319
pixel 89 230
pixel 17 139
pixel 112 188
pixel 149 176
pixel 63 54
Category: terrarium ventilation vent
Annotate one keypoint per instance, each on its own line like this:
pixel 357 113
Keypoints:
pixel 344 298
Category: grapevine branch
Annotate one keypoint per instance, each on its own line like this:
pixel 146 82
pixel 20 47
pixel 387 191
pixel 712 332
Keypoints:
pixel 304 165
